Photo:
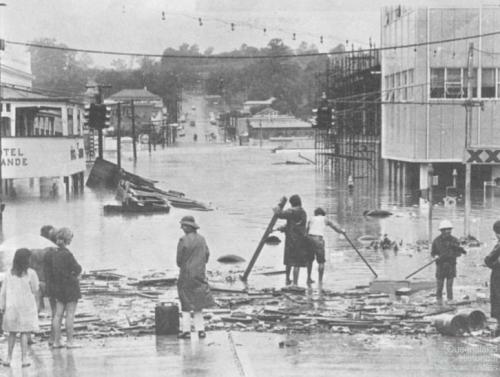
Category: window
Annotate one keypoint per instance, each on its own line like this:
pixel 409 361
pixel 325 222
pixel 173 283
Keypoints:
pixel 8 107
pixel 404 84
pixel 488 83
pixel 437 82
pixel 453 83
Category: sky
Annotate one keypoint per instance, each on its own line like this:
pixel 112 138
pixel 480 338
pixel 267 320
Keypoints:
pixel 150 26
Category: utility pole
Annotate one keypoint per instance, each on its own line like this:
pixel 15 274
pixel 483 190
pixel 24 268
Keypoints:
pixel 99 100
pixel 468 126
pixel 119 135
pixel 134 147
pixel 260 133
pixel 430 178
pixel 150 127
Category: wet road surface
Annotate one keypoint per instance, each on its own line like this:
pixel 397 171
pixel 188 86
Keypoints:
pixel 235 354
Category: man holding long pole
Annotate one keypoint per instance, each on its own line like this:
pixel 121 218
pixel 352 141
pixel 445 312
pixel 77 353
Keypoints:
pixel 447 249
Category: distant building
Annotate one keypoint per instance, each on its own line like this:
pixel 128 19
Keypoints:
pixel 41 135
pixel 425 89
pixel 248 105
pixel 270 126
pixel 149 110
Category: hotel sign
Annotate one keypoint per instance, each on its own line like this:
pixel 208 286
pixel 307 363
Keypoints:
pixel 34 157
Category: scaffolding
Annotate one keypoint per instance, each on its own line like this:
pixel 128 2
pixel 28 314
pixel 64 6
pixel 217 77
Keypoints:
pixel 350 149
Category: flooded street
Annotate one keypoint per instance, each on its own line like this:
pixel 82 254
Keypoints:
pixel 243 184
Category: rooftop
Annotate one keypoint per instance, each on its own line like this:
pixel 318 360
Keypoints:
pixel 135 94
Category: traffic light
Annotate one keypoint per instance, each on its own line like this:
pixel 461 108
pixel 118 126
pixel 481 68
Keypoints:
pixel 325 117
pixel 97 116
pixel 107 117
pixel 86 116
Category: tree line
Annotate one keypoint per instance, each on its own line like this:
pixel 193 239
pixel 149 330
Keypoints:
pixel 291 80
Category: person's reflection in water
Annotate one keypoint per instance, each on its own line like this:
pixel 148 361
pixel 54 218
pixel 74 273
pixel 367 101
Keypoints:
pixel 63 363
pixel 194 357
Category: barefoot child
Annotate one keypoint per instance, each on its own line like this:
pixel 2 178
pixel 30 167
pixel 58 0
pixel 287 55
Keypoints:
pixel 316 232
pixel 18 302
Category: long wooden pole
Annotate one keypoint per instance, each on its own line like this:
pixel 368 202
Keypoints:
pixel 268 231
pixel 421 268
pixel 134 146
pixel 362 257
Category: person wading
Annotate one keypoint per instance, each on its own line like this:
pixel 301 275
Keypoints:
pixel 315 233
pixel 295 254
pixel 447 249
pixel 192 285
pixel 492 260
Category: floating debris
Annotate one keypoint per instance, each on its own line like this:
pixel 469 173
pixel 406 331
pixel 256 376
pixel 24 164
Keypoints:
pixel 377 213
pixel 230 258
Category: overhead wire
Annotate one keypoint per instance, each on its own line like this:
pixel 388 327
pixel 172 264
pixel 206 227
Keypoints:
pixel 261 27
pixel 240 57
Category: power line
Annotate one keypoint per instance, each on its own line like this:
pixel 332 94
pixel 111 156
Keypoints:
pixel 241 57
pixel 259 27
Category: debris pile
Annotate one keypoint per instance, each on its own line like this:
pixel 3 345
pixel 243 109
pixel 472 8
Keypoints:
pixel 116 305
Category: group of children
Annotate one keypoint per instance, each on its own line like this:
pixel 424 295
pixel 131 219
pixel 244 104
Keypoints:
pixel 50 272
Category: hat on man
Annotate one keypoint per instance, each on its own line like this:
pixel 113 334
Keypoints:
pixel 189 220
pixel 445 224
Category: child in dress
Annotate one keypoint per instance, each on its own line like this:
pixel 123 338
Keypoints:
pixel 18 302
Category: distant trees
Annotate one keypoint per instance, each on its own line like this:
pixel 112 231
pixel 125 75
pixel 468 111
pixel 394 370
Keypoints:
pixel 272 73
pixel 58 70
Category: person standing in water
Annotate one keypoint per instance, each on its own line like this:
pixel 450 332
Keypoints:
pixel 316 237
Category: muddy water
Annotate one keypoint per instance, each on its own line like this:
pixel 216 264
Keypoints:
pixel 243 184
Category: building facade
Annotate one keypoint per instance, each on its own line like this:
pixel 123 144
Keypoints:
pixel 41 136
pixel 270 127
pixel 425 89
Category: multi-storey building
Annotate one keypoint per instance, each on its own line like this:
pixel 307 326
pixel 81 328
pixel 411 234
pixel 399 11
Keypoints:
pixel 426 55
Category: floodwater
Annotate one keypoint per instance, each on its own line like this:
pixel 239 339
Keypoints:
pixel 243 184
